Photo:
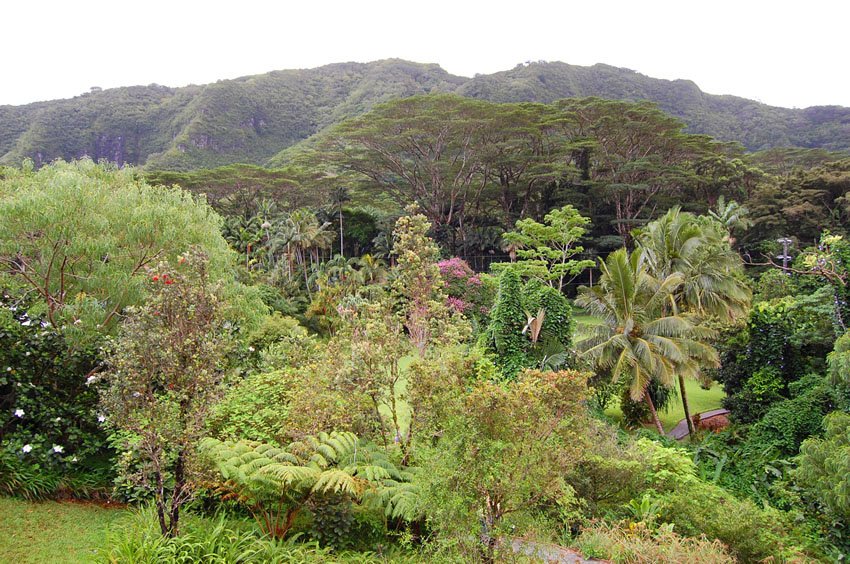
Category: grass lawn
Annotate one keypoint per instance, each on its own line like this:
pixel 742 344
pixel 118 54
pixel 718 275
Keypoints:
pixel 53 532
pixel 584 325
pixel 700 400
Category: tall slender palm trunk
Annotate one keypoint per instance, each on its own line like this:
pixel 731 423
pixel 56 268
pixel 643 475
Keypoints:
pixel 652 410
pixel 686 406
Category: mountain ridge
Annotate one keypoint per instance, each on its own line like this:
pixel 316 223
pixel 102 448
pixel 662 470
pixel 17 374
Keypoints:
pixel 254 118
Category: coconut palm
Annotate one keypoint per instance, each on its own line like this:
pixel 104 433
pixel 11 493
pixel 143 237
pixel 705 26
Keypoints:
pixel 731 215
pixel 637 339
pixel 698 249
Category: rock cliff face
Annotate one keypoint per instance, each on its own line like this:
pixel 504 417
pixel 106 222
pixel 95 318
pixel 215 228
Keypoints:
pixel 252 119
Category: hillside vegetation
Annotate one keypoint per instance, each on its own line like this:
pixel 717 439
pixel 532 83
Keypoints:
pixel 253 119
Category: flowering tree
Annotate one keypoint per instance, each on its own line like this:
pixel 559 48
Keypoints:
pixel 164 376
pixel 468 293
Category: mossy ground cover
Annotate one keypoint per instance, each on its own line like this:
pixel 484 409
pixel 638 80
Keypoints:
pixel 54 532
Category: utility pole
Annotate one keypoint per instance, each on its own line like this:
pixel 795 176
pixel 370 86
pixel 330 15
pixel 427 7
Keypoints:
pixel 785 257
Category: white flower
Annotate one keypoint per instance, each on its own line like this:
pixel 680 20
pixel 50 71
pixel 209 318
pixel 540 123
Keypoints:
pixel 58 419
pixel 136 394
pixel 58 449
pixel 90 379
pixel 27 448
pixel 8 369
pixel 26 323
pixel 27 353
pixel 19 413
pixel 250 349
pixel 101 417
pixel 74 459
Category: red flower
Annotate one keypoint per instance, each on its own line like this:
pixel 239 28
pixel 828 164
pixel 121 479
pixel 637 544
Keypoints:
pixel 169 281
pixel 155 278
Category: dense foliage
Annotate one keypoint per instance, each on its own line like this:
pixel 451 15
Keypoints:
pixel 374 347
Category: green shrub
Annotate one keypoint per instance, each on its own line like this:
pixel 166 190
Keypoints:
pixel 697 508
pixel 822 473
pixel 50 426
pixel 789 422
pixel 255 409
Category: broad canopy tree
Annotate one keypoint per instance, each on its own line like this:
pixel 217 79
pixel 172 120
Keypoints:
pixel 80 236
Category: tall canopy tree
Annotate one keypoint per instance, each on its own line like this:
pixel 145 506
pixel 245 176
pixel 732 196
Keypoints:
pixel 638 155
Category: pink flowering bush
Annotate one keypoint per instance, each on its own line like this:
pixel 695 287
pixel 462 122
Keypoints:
pixel 468 293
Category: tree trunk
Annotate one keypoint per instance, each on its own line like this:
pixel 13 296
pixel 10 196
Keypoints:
pixel 341 241
pixel 686 407
pixel 177 495
pixel 655 418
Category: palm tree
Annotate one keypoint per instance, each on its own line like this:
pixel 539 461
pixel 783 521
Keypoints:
pixel 731 215
pixel 370 269
pixel 637 340
pixel 698 249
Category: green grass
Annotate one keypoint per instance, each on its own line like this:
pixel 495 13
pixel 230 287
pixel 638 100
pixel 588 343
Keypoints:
pixel 53 532
pixel 699 400
pixel 584 325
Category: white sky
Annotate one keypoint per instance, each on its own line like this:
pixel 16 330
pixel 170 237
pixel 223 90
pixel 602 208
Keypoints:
pixel 792 54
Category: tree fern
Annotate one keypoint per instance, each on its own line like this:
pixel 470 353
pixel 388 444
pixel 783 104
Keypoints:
pixel 275 483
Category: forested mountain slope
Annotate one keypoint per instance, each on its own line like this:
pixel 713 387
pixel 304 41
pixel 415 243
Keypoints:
pixel 251 119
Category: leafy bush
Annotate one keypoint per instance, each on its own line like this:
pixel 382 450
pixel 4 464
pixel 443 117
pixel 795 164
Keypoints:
pixel 502 457
pixel 697 508
pixel 50 422
pixel 822 473
pixel 789 422
pixel 764 350
pixel 255 409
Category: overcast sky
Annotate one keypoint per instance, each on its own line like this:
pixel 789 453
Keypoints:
pixel 792 54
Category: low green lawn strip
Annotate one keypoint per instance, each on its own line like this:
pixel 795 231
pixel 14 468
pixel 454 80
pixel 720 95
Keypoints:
pixel 700 400
pixel 53 532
